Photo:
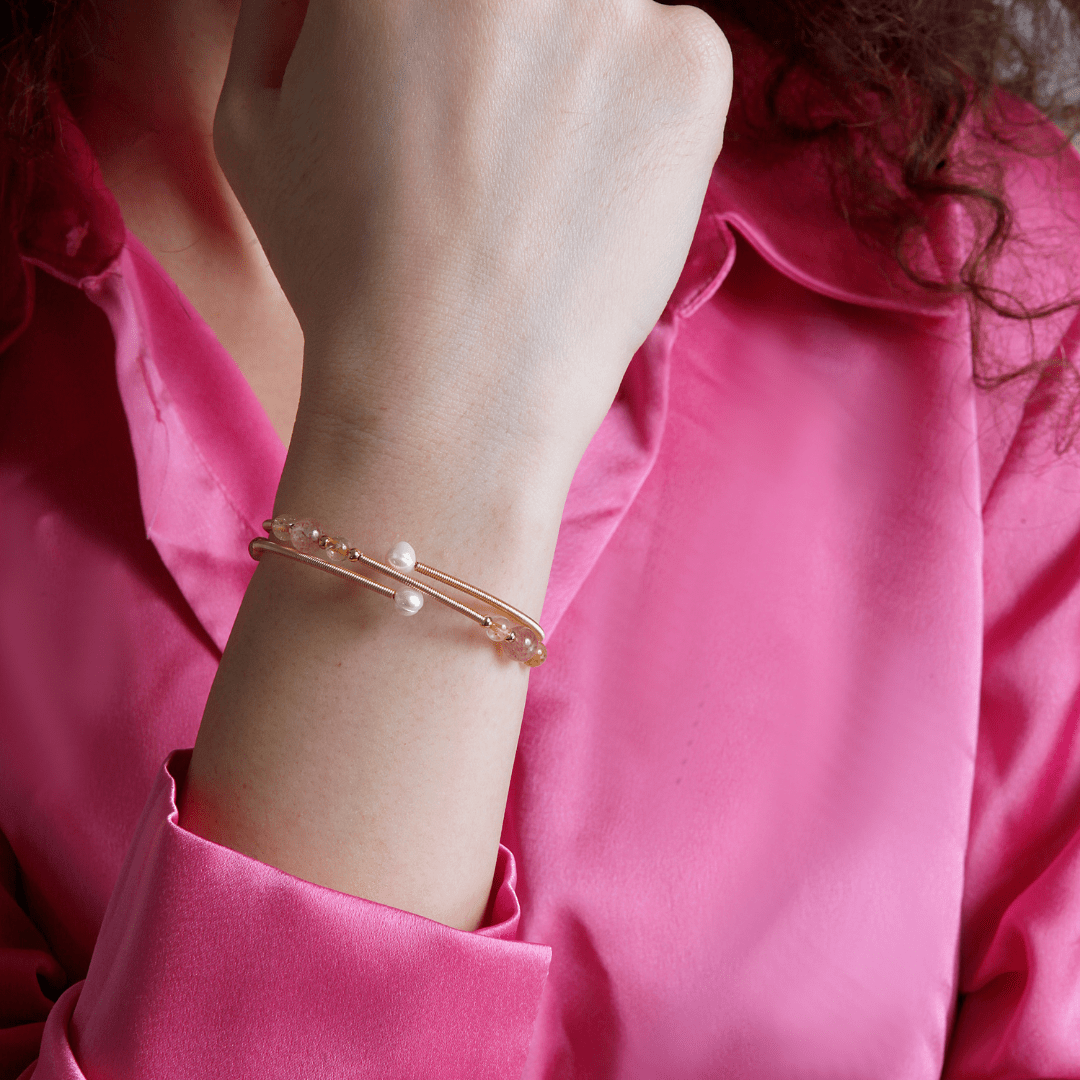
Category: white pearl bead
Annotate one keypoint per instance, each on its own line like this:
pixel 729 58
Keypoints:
pixel 408 601
pixel 402 557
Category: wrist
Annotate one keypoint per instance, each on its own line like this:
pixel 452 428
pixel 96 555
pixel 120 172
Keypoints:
pixel 501 406
pixel 466 509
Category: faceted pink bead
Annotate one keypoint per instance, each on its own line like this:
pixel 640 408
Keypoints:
pixel 499 630
pixel 305 536
pixel 280 528
pixel 523 645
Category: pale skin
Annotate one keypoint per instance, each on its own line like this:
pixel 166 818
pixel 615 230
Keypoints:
pixel 458 220
pixel 148 112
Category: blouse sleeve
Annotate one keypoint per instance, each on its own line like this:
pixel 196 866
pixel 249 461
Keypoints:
pixel 30 977
pixel 211 964
pixel 1019 1006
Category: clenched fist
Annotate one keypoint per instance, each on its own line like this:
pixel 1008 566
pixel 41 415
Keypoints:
pixel 477 208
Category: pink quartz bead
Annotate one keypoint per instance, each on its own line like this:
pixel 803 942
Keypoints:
pixel 538 656
pixel 280 529
pixel 305 536
pixel 523 645
pixel 500 628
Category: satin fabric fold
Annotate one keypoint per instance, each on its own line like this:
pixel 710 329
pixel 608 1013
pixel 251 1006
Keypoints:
pixel 796 795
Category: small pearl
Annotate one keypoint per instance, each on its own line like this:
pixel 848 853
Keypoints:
pixel 401 556
pixel 523 646
pixel 408 601
pixel 280 528
pixel 499 630
pixel 305 536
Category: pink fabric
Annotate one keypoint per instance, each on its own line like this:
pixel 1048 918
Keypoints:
pixel 797 794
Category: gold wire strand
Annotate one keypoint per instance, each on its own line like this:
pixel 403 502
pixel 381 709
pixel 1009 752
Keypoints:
pixel 453 582
pixel 412 583
pixel 258 545
pixel 479 594
pixel 429 571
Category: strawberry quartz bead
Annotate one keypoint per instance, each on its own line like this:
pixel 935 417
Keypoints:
pixel 523 646
pixel 280 528
pixel 305 536
pixel 500 628
pixel 538 657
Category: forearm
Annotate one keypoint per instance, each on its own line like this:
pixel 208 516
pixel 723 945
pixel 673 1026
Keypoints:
pixel 353 747
pixel 472 274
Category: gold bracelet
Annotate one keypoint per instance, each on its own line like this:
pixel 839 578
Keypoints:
pixel 304 541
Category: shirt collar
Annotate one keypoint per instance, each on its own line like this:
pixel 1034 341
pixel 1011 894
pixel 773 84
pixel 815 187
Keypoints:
pixel 207 457
pixel 203 494
pixel 777 198
pixel 72 225
pixel 780 200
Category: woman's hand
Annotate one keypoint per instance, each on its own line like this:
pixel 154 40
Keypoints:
pixel 477 208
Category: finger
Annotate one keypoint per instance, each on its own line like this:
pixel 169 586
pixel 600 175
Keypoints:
pixel 265 36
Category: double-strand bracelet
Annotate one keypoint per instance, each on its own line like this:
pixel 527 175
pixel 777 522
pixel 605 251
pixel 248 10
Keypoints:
pixel 518 636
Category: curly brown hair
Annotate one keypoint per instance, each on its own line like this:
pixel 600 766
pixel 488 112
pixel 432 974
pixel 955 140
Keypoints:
pixel 39 40
pixel 885 85
pixel 888 86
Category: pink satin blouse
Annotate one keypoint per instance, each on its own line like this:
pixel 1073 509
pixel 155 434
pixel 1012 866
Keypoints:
pixel 797 793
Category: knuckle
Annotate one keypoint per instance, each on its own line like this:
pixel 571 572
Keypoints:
pixel 704 51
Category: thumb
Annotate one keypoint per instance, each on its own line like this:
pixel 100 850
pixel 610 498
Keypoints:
pixel 266 33
pixel 263 41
